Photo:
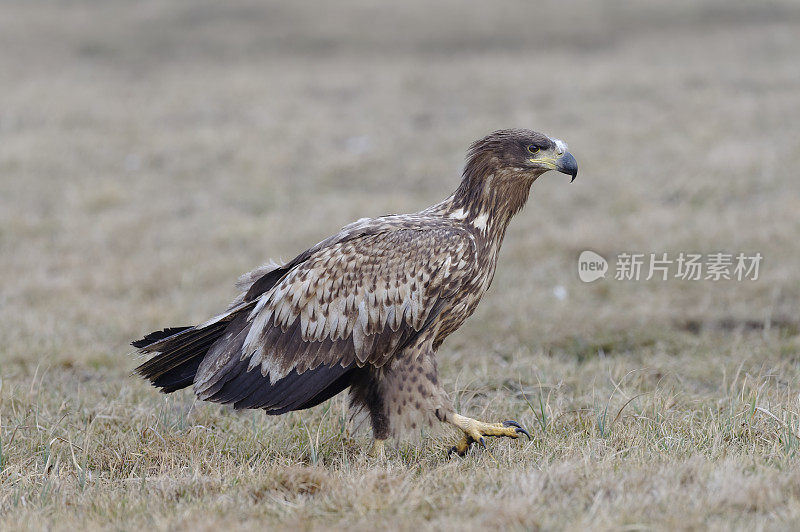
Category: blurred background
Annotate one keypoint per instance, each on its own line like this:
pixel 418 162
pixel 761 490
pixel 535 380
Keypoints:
pixel 151 151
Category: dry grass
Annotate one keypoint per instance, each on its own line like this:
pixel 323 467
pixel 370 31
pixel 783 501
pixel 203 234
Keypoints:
pixel 151 152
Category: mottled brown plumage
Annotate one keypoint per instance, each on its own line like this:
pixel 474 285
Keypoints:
pixel 367 308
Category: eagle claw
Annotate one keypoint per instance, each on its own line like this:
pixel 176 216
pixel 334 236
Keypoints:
pixel 510 428
pixel 519 429
pixel 464 445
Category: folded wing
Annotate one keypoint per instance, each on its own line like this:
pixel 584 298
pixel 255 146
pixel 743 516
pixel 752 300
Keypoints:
pixel 347 304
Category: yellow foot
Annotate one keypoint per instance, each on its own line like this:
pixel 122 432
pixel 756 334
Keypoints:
pixel 377 449
pixel 474 432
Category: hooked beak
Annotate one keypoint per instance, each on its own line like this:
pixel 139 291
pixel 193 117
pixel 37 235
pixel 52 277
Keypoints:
pixel 566 164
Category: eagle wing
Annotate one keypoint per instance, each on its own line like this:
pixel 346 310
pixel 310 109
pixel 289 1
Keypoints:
pixel 352 301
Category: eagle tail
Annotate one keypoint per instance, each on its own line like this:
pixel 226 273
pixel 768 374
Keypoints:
pixel 209 356
pixel 179 353
pixel 179 350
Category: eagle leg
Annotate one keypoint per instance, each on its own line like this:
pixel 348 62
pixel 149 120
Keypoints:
pixel 474 432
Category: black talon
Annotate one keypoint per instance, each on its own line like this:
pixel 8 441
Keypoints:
pixel 482 442
pixel 519 429
pixel 523 431
pixel 453 449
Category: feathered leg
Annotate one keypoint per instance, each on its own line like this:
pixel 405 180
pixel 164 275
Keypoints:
pixel 406 394
pixel 403 396
pixel 366 392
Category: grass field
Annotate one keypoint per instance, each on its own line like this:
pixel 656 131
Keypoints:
pixel 150 152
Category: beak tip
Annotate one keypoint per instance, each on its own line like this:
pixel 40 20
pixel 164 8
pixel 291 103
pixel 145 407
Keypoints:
pixel 568 165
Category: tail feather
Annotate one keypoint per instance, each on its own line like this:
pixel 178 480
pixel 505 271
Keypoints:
pixel 157 336
pixel 180 348
pixel 179 377
pixel 209 356
pixel 179 353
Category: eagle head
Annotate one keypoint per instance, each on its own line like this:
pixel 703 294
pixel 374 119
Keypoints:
pixel 524 150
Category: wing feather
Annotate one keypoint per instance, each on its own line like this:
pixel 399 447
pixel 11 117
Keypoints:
pixel 352 300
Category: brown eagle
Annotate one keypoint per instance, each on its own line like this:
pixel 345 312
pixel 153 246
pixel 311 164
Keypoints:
pixel 367 308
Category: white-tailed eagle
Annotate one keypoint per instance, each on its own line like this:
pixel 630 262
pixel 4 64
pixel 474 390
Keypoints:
pixel 367 308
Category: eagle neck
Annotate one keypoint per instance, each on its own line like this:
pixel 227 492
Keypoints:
pixel 488 197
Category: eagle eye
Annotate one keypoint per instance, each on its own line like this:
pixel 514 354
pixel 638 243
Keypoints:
pixel 532 148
